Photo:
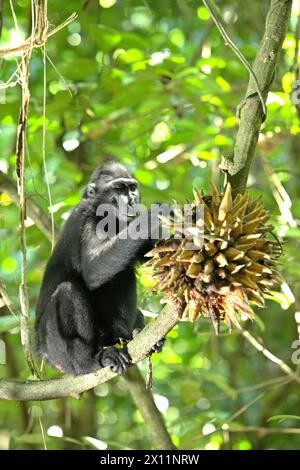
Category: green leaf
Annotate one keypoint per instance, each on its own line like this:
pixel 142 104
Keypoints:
pixel 8 322
pixel 106 38
pixel 281 418
pixel 78 69
pixel 130 56
pixel 203 14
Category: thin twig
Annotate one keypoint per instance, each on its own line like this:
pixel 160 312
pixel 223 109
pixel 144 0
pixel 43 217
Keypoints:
pixel 42 432
pixel 14 15
pixel 276 360
pixel 6 300
pixel 62 25
pixel 20 170
pixel 237 165
pixel 280 194
pixel 33 210
pixel 242 410
pixel 279 381
pixel 60 75
pixel 39 41
pixel 44 147
pixel 235 49
pixel 263 430
pixel 224 427
pixel 10 83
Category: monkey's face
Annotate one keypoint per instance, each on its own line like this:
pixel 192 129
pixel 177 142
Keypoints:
pixel 117 191
pixel 124 196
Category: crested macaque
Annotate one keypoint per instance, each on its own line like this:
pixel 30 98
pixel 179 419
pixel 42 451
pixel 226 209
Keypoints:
pixel 88 296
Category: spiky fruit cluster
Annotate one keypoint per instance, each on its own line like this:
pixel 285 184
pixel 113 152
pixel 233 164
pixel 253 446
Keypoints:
pixel 233 266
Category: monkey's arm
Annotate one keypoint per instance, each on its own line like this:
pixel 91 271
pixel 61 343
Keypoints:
pixel 103 259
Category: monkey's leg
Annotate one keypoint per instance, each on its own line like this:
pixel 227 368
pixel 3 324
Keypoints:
pixel 65 333
pixel 67 336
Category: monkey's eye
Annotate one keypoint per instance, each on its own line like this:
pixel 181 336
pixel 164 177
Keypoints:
pixel 133 187
pixel 91 190
pixel 121 187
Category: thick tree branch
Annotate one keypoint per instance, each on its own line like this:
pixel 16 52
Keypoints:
pixel 39 38
pixel 152 418
pixel 251 113
pixel 33 210
pixel 20 170
pixel 67 386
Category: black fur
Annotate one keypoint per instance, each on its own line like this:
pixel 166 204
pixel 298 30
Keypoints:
pixel 88 295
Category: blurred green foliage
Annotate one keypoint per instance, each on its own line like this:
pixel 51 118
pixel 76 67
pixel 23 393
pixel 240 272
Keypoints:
pixel 151 84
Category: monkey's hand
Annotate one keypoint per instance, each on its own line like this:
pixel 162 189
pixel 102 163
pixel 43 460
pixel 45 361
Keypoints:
pixel 117 359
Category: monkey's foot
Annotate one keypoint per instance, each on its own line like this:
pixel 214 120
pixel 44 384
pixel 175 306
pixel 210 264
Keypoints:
pixel 157 348
pixel 117 359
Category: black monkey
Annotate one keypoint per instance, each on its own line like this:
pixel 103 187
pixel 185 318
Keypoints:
pixel 87 300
